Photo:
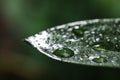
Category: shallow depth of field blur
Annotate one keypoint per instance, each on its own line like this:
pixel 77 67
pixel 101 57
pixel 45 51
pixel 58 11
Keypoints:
pixel 22 18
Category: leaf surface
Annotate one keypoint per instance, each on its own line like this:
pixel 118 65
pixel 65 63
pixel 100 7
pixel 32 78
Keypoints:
pixel 90 42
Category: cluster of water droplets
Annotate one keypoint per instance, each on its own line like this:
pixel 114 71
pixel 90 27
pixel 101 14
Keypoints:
pixel 92 42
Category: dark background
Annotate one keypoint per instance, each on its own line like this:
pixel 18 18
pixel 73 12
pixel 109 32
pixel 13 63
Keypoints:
pixel 22 18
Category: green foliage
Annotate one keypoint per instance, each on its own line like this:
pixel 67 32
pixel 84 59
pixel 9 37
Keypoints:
pixel 98 45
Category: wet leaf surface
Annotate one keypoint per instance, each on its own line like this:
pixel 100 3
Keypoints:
pixel 90 42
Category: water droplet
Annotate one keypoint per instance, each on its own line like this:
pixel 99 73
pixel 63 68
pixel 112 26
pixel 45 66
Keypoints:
pixel 98 48
pixel 100 60
pixel 64 52
pixel 105 45
pixel 93 32
pixel 97 39
pixel 78 32
pixel 100 35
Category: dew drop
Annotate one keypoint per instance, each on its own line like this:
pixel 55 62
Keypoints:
pixel 78 32
pixel 100 60
pixel 98 48
pixel 106 46
pixel 97 39
pixel 64 52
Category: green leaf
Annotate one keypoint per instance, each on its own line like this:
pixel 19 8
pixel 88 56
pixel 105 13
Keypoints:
pixel 90 42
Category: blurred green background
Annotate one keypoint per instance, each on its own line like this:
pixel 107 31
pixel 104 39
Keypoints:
pixel 22 18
